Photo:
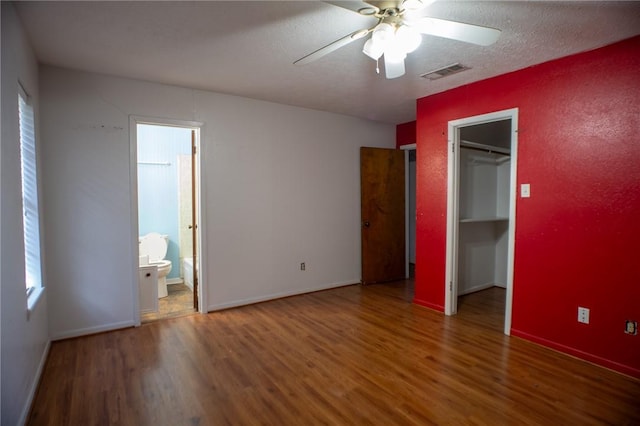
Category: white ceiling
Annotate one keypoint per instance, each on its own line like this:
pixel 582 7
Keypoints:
pixel 248 48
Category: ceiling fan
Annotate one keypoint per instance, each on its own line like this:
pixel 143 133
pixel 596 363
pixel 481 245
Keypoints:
pixel 399 31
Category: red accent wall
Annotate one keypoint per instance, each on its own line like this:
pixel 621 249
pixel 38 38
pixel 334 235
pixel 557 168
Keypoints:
pixel 405 133
pixel 578 236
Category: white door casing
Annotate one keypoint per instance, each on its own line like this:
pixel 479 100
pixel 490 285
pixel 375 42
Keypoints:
pixel 453 173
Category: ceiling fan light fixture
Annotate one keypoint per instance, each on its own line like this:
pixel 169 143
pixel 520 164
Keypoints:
pixel 372 49
pixel 393 69
pixel 383 33
pixel 408 38
pixel 395 53
pixel 399 31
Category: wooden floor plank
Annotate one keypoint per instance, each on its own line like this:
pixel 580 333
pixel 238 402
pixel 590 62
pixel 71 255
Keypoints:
pixel 352 355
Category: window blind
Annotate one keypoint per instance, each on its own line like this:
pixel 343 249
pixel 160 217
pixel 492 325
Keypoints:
pixel 31 221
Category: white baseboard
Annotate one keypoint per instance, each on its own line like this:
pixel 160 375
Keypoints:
pixel 476 288
pixel 189 284
pixel 34 385
pixel 171 281
pixel 258 299
pixel 92 330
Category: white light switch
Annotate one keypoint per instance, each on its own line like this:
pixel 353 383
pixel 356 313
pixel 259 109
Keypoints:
pixel 525 190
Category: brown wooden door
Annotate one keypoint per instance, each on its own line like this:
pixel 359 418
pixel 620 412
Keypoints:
pixel 383 217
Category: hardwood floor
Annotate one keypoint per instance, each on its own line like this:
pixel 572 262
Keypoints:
pixel 179 302
pixel 353 355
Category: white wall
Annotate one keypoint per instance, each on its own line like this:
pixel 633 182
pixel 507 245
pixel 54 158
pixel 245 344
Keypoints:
pixel 24 340
pixel 281 186
pixel 478 177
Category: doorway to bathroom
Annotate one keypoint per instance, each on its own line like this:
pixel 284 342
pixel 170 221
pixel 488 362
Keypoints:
pixel 167 183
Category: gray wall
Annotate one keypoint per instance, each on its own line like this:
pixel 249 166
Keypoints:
pixel 24 338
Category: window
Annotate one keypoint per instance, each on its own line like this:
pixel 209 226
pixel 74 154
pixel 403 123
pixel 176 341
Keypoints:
pixel 31 220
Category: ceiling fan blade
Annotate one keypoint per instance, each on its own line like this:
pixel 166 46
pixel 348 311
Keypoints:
pixel 483 36
pixel 393 69
pixel 332 46
pixel 414 5
pixel 356 6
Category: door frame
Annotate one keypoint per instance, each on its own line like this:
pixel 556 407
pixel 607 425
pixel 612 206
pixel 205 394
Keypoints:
pixel 406 148
pixel 134 120
pixel 453 175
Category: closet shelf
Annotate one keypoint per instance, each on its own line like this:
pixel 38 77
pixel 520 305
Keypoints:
pixel 484 219
pixel 484 147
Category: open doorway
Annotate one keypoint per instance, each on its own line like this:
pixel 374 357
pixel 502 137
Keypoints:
pixel 410 208
pixel 167 188
pixel 481 211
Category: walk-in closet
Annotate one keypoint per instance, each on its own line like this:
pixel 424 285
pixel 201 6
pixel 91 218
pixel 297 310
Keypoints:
pixel 481 213
pixel 483 206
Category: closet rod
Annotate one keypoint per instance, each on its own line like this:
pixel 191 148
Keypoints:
pixel 486 148
pixel 154 163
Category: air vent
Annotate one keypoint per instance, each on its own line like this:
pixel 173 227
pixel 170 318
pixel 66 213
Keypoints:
pixel 444 72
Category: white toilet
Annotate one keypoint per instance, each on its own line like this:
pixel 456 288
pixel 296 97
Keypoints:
pixel 155 246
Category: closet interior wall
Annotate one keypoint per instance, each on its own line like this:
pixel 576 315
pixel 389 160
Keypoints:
pixel 484 218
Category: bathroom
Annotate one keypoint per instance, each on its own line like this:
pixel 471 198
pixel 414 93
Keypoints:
pixel 165 209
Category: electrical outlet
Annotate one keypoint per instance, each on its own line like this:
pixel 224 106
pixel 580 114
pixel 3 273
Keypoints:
pixel 303 266
pixel 631 327
pixel 583 315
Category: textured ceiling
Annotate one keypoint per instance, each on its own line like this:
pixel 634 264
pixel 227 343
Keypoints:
pixel 248 48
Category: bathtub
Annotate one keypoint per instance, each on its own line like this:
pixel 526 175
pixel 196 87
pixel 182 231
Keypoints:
pixel 187 271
